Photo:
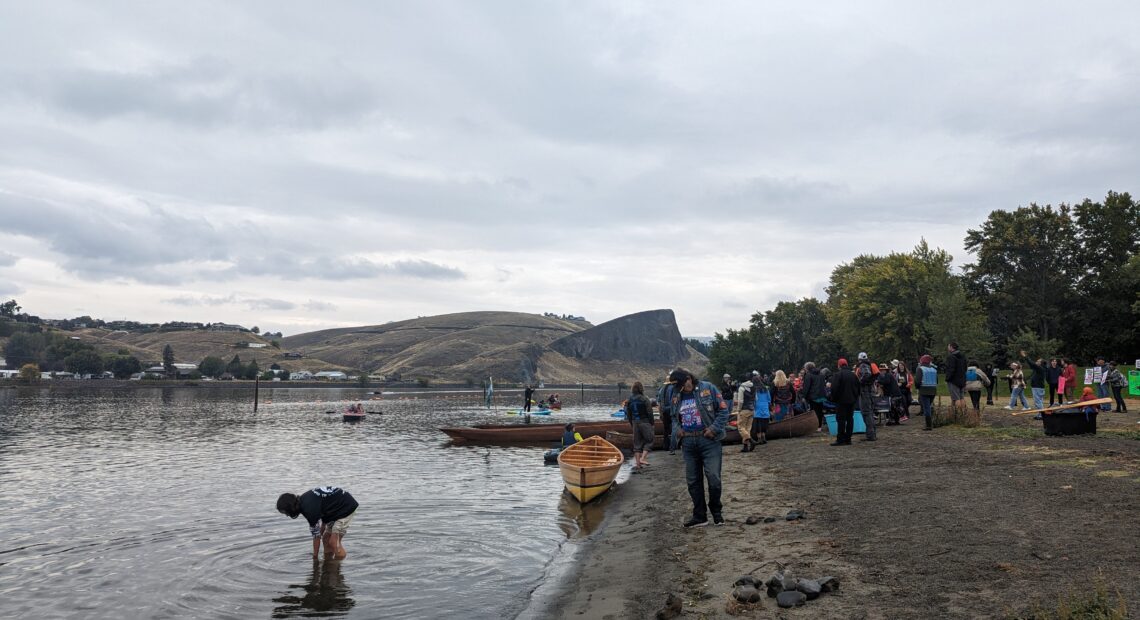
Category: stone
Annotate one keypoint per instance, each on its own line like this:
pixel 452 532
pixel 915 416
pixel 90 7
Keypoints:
pixel 746 594
pixel 746 580
pixel 791 599
pixel 775 585
pixel 769 519
pixel 828 584
pixel 753 520
pixel 672 609
pixel 810 588
pixel 794 514
pixel 789 584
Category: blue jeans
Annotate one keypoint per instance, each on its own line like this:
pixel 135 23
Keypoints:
pixel 1038 397
pixel 1018 392
pixel 1102 392
pixel 927 401
pixel 702 457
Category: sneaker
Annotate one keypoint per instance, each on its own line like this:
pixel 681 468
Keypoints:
pixel 695 522
pixel 1008 407
pixel 718 520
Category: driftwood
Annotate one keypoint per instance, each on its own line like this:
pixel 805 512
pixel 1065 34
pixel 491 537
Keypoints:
pixel 1050 410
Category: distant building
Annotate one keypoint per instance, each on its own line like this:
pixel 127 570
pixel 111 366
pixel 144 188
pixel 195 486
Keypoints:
pixel 225 327
pixel 257 345
pixel 302 375
pixel 180 370
pixel 294 354
pixel 331 375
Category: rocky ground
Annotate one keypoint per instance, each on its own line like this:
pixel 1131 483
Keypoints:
pixel 954 523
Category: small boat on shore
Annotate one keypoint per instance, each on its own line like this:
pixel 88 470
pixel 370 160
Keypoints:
pixel 589 467
pixel 799 425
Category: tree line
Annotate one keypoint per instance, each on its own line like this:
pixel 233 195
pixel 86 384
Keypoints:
pixel 1061 280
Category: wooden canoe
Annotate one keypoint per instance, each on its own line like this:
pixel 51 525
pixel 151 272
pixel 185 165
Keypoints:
pixel 1075 405
pixel 798 425
pixel 532 433
pixel 353 417
pixel 589 467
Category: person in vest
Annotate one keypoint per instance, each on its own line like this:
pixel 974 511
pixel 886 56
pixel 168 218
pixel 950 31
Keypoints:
pixel 976 379
pixel 844 393
pixel 701 414
pixel 664 401
pixel 570 436
pixel 762 413
pixel 746 396
pixel 1016 386
pixel 1117 382
pixel 328 510
pixel 639 413
pixel 926 380
pixel 866 377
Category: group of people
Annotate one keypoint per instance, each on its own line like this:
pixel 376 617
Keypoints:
pixel 550 402
pixel 1060 377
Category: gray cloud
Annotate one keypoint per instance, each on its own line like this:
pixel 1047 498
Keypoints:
pixel 424 270
pixel 318 306
pixel 269 304
pixel 7 259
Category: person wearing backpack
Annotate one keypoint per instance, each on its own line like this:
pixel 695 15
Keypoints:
pixel 976 379
pixel 956 378
pixel 814 391
pixel 926 380
pixel 866 377
pixel 1117 382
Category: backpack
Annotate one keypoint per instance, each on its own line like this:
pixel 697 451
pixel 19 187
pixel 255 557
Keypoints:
pixel 784 394
pixel 971 374
pixel 929 376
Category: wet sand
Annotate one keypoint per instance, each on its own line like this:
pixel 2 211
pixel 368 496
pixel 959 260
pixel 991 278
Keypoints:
pixel 960 523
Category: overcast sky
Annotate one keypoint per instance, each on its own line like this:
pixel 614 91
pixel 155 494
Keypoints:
pixel 298 166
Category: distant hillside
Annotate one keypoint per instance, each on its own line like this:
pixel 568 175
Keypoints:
pixel 452 348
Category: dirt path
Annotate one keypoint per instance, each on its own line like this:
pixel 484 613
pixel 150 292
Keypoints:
pixel 957 522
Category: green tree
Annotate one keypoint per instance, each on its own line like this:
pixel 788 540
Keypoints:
pixel 1034 346
pixel 235 367
pixel 9 308
pixel 85 362
pixel 29 373
pixel 212 366
pixel 1023 269
pixel 251 371
pixel 256 329
pixel 168 360
pixel 24 348
pixel 123 366
pixel 736 351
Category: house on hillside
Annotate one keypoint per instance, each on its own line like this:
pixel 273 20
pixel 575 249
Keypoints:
pixel 180 370
pixel 225 327
pixel 302 375
pixel 294 355
pixel 330 375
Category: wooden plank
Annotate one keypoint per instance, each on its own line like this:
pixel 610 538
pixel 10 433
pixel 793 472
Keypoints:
pixel 1050 410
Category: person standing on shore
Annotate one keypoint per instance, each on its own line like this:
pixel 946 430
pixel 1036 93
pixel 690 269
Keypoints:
pixel 992 376
pixel 329 510
pixel 762 413
pixel 926 379
pixel 866 377
pixel 527 394
pixel 1036 380
pixel 1070 377
pixel 976 379
pixel 814 391
pixel 728 390
pixel 1016 386
pixel 1053 378
pixel 746 396
pixel 1117 382
pixel 639 413
pixel 956 379
pixel 844 393
pixel 701 414
pixel 665 402
pixel 1102 386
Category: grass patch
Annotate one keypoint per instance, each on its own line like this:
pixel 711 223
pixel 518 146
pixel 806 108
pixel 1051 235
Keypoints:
pixel 991 432
pixel 1123 434
pixel 1078 462
pixel 1114 473
pixel 1094 603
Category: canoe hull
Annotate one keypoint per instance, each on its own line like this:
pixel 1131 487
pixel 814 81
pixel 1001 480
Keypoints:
pixel 589 467
pixel 532 433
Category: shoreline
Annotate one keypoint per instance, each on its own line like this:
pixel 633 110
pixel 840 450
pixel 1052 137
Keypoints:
pixel 959 523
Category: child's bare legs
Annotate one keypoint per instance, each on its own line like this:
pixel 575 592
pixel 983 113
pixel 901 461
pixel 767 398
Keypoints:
pixel 334 547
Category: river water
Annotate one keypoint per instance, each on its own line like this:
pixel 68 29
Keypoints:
pixel 159 503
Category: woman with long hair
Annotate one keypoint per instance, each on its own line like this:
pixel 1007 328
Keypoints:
pixel 783 396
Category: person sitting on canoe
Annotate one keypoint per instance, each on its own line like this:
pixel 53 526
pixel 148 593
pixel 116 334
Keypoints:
pixel 328 510
pixel 1087 394
pixel 570 436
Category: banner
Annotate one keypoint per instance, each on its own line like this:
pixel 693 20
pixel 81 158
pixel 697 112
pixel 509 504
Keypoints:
pixel 1092 375
pixel 1134 382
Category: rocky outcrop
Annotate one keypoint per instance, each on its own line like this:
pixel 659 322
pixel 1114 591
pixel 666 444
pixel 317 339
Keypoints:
pixel 649 337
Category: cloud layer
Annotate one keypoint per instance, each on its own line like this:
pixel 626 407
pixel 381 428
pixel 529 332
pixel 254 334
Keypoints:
pixel 298 169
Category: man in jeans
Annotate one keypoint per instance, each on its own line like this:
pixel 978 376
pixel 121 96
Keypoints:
pixel 700 414
pixel 866 395
pixel 1102 386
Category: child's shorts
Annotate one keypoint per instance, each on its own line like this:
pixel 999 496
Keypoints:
pixel 340 526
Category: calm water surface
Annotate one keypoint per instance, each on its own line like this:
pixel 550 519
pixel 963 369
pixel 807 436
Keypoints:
pixel 159 503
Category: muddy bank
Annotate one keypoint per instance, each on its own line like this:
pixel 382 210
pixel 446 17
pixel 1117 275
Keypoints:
pixel 956 522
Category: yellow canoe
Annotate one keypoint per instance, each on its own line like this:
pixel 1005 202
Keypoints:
pixel 589 467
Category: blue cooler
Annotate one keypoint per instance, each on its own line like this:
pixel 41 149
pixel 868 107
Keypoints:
pixel 857 427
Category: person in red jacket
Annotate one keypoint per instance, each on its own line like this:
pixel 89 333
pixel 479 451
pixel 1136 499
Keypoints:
pixel 1069 374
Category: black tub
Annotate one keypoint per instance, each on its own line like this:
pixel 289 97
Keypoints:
pixel 1069 422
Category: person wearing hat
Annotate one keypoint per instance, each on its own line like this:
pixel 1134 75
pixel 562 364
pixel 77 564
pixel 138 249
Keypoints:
pixel 701 414
pixel 866 377
pixel 728 389
pixel 844 393
pixel 1102 386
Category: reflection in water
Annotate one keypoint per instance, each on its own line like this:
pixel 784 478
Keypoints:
pixel 580 520
pixel 326 594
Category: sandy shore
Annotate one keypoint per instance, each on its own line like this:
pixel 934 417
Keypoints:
pixel 960 523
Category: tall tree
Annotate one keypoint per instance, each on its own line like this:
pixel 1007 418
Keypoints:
pixel 212 366
pixel 168 360
pixel 1023 268
pixel 84 362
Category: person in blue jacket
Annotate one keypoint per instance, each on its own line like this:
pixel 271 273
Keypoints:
pixel 701 415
